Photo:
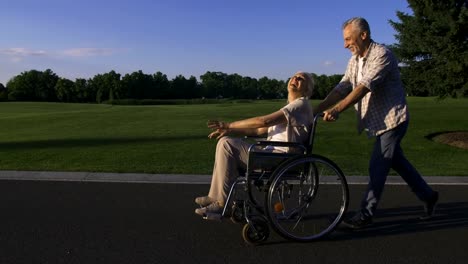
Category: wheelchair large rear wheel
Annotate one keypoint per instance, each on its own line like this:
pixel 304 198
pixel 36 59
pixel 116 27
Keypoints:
pixel 307 198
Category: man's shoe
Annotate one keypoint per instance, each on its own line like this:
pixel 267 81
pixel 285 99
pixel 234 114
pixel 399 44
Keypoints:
pixel 358 221
pixel 204 201
pixel 429 207
pixel 213 208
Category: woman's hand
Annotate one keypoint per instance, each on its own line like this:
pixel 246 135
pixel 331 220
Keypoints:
pixel 218 133
pixel 220 129
pixel 215 124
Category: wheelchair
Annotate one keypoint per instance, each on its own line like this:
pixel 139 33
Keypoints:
pixel 301 196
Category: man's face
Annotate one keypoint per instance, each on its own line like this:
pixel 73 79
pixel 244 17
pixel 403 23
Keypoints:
pixel 354 40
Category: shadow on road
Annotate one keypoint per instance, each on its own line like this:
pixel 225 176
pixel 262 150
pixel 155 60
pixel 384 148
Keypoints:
pixel 90 142
pixel 403 220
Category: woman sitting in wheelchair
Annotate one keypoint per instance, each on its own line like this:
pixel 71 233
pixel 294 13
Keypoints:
pixel 289 124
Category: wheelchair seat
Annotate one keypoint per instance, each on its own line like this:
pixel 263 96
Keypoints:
pixel 264 157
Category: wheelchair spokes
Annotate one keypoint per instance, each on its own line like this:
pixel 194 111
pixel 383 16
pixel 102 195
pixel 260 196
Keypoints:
pixel 312 208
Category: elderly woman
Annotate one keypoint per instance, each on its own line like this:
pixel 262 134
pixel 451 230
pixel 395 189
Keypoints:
pixel 289 124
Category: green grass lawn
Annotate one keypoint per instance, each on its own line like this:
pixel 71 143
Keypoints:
pixel 173 139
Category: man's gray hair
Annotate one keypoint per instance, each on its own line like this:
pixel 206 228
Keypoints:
pixel 360 23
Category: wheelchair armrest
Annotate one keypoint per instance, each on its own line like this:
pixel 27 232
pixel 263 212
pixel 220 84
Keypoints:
pixel 293 145
pixel 266 160
pixel 279 144
pixel 254 139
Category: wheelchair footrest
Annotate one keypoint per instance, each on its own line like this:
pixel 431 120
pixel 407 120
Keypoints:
pixel 213 216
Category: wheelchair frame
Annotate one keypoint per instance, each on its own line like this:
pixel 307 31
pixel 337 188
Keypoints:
pixel 310 214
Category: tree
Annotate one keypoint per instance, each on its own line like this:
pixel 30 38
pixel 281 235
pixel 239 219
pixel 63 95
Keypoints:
pixel 249 88
pixel 193 87
pixel 271 88
pixel 234 81
pixel 179 89
pixel 45 88
pixel 3 92
pixel 107 86
pixel 215 84
pixel 433 47
pixel 182 88
pixel 33 85
pixel 83 92
pixel 36 86
pixel 64 89
pixel 162 85
pixel 324 84
pixel 321 86
pixel 138 85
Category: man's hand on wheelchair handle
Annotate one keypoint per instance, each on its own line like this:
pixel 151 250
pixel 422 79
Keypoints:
pixel 331 115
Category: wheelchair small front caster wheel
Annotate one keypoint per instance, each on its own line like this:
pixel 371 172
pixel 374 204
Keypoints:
pixel 256 232
pixel 237 212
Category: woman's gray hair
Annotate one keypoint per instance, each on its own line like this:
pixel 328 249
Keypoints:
pixel 360 23
pixel 310 83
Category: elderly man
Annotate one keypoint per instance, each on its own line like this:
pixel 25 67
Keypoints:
pixel 372 84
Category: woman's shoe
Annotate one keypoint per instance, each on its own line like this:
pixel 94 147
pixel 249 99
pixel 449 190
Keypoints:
pixel 204 201
pixel 213 208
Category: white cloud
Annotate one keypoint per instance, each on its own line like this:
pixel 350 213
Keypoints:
pixel 328 63
pixel 87 52
pixel 18 54
pixel 22 52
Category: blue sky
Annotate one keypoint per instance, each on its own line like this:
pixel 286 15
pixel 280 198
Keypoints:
pixel 82 38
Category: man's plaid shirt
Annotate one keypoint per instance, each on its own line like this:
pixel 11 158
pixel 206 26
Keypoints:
pixel 384 107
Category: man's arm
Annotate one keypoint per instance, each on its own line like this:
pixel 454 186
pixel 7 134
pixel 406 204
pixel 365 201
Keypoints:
pixel 355 96
pixel 332 98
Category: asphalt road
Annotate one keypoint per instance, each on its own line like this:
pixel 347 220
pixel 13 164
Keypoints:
pixel 98 222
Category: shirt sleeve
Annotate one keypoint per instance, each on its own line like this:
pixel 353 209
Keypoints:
pixel 377 67
pixel 293 110
pixel 298 113
pixel 289 109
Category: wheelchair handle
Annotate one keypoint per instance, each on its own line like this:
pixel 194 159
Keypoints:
pixel 312 132
pixel 316 117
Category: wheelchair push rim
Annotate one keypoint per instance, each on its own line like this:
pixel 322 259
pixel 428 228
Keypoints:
pixel 307 198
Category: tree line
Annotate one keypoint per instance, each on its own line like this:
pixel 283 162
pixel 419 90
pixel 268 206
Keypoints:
pixel 47 86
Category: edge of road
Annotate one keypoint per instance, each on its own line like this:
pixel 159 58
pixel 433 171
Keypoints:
pixel 182 178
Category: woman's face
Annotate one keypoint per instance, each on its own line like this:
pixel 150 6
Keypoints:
pixel 298 83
